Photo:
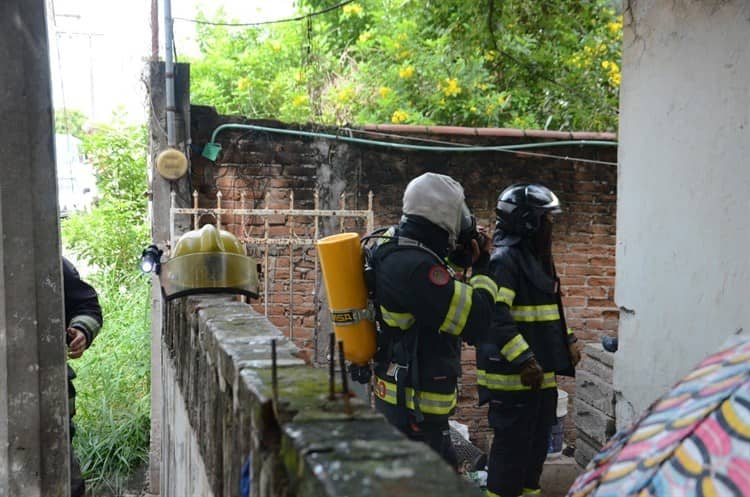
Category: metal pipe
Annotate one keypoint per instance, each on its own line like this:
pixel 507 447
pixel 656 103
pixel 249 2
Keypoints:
pixel 406 146
pixel 169 73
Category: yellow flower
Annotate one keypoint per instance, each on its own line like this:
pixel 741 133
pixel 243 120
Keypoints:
pixel 403 54
pixel 489 56
pixel 299 100
pixel 399 116
pixel 451 88
pixel 384 91
pixel 353 9
pixel 605 64
pixel 365 36
pixel 345 95
pixel 244 84
pixel 614 74
pixel 275 46
pixel 614 27
pixel 482 86
pixel 501 100
pixel 299 76
pixel 406 72
pixel 490 110
pixel 473 109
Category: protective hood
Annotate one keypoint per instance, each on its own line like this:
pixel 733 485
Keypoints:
pixel 437 198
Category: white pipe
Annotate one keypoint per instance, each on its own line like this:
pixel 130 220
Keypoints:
pixel 169 73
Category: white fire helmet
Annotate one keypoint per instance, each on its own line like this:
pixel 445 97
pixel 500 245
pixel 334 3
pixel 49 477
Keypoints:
pixel 437 198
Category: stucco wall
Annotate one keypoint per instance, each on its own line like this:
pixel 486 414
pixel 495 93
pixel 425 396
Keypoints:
pixel 683 270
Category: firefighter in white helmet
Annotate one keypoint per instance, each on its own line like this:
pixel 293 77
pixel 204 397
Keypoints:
pixel 425 311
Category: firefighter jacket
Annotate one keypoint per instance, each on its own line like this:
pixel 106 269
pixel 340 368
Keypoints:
pixel 528 321
pixel 82 310
pixel 424 313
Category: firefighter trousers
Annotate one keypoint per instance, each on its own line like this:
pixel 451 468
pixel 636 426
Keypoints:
pixel 522 426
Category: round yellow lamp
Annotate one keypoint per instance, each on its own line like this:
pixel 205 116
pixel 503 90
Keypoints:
pixel 171 164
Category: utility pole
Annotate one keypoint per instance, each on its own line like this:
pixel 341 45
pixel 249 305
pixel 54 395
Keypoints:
pixel 154 30
pixel 90 36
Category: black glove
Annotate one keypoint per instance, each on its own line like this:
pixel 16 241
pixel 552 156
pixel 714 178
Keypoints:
pixel 360 374
pixel 532 374
pixel 482 264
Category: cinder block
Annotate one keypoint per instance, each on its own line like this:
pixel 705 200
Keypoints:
pixel 595 392
pixel 596 351
pixel 593 422
pixel 596 368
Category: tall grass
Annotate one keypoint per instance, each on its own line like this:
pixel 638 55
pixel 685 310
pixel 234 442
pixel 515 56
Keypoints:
pixel 113 384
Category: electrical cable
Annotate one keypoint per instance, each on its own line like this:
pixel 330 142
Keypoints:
pixel 517 152
pixel 429 148
pixel 262 23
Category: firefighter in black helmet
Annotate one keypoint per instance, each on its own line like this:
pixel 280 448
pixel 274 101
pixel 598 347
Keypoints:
pixel 530 341
pixel 425 311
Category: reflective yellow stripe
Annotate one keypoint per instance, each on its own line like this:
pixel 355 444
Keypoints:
pixel 505 295
pixel 570 332
pixel 531 492
pixel 88 322
pixel 484 282
pixel 429 402
pixel 402 320
pixel 530 313
pixel 490 493
pixel 458 312
pixel 510 382
pixel 514 348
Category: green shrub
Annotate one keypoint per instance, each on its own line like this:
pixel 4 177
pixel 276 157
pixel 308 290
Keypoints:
pixel 113 384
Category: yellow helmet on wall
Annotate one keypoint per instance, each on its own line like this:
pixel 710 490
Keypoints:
pixel 209 260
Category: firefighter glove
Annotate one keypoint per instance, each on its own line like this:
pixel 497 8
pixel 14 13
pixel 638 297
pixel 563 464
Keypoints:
pixel 532 374
pixel 360 374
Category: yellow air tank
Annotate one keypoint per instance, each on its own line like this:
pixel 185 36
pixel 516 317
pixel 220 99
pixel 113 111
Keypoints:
pixel 342 265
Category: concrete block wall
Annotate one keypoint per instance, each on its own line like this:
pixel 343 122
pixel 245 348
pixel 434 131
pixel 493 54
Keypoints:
pixel 594 405
pixel 260 163
pixel 220 418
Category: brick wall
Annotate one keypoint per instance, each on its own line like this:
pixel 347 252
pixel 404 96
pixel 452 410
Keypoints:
pixel 261 163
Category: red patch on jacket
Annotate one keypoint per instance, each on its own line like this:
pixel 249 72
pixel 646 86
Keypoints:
pixel 439 276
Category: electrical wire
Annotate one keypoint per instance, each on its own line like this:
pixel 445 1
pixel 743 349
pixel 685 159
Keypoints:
pixel 430 148
pixel 66 118
pixel 263 23
pixel 515 152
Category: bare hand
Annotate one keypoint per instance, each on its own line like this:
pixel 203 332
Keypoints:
pixel 77 344
pixel 486 248
pixel 575 353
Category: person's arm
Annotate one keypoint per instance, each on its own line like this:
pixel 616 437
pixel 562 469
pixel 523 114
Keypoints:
pixel 504 331
pixel 83 314
pixel 448 305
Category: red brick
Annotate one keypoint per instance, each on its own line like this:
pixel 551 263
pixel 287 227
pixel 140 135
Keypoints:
pixel 601 303
pixel 574 301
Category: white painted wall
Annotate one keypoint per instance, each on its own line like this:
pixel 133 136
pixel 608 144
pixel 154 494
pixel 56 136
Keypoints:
pixel 683 219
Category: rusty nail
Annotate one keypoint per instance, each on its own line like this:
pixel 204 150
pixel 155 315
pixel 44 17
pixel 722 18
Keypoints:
pixel 331 367
pixel 344 382
pixel 274 376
